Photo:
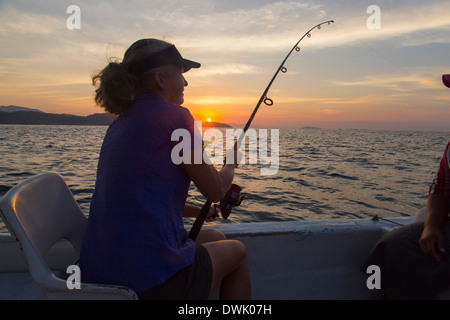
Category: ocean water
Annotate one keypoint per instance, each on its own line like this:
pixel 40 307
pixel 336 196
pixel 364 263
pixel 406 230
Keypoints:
pixel 322 174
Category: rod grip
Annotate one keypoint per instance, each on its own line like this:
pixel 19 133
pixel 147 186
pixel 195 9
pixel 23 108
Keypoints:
pixel 199 221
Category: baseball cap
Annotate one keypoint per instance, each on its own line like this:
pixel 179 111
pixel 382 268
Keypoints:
pixel 168 55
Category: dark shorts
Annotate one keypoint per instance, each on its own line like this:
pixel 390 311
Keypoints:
pixel 191 283
pixel 407 273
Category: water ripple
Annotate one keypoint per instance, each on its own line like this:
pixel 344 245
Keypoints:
pixel 322 174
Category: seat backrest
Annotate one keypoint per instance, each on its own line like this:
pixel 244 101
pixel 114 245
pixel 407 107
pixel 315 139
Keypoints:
pixel 40 212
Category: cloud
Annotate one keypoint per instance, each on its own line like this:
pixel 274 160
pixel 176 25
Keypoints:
pixel 396 82
pixel 227 69
pixel 12 19
pixel 220 100
pixel 239 43
pixel 277 25
pixel 410 23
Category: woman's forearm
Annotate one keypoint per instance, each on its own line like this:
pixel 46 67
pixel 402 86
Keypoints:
pixel 190 211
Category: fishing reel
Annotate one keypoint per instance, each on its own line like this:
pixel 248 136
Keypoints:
pixel 232 198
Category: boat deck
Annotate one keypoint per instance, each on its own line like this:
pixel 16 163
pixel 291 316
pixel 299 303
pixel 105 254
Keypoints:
pixel 287 260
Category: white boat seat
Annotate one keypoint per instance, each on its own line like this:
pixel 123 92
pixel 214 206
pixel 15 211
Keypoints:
pixel 40 212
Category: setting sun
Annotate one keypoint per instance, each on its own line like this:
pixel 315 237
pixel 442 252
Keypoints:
pixel 208 120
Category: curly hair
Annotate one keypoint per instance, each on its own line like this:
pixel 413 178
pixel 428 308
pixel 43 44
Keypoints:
pixel 117 88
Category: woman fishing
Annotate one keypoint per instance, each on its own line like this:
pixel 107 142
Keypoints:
pixel 135 234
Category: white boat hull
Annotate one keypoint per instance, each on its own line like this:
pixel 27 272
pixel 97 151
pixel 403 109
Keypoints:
pixel 310 260
pixel 287 260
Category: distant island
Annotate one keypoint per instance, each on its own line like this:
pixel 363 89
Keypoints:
pixel 22 115
pixel 311 128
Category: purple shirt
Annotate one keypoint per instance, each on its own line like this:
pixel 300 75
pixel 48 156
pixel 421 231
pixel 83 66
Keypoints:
pixel 135 234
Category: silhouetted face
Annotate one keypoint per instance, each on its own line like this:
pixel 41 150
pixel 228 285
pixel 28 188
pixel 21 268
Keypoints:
pixel 175 85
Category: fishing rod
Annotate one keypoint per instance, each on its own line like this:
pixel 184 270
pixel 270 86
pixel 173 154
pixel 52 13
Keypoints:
pixel 233 197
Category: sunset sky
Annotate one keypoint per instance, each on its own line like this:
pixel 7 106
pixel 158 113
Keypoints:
pixel 346 75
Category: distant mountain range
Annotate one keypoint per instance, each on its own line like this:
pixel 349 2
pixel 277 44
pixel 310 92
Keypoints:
pixel 16 108
pixel 21 115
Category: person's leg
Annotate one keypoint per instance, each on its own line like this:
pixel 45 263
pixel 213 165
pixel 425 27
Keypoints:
pixel 190 283
pixel 209 235
pixel 230 269
pixel 406 272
